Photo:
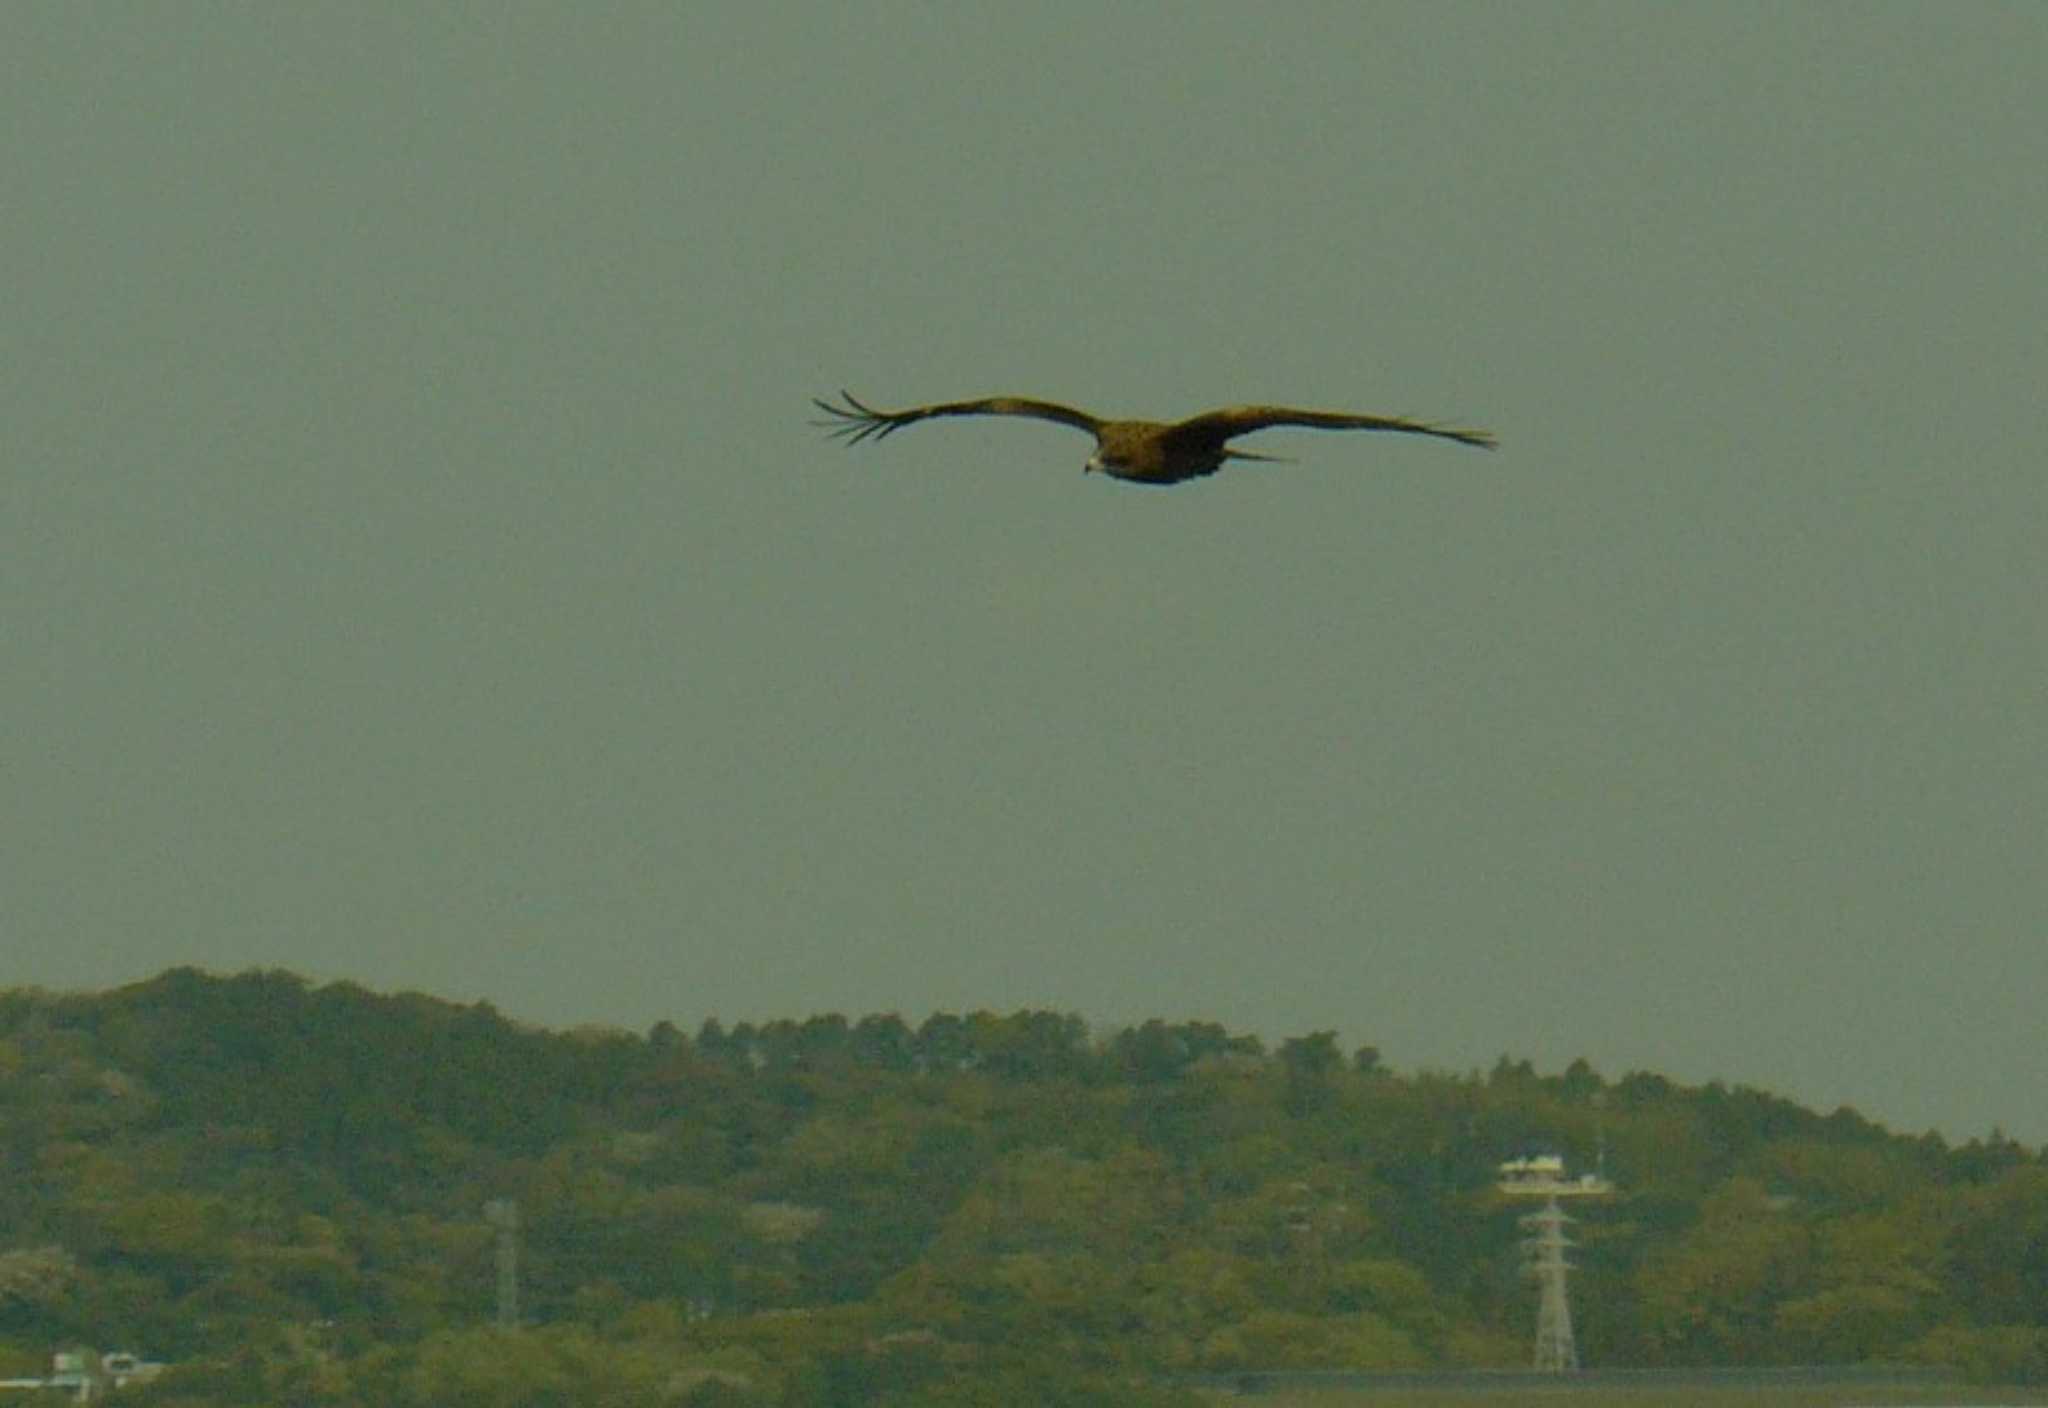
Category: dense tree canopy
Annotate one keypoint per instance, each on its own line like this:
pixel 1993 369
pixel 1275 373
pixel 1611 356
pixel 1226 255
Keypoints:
pixel 279 1187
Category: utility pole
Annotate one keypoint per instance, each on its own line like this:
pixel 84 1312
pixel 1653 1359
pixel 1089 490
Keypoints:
pixel 503 1214
pixel 1543 1177
pixel 1556 1351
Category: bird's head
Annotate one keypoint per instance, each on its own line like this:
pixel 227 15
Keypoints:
pixel 1107 459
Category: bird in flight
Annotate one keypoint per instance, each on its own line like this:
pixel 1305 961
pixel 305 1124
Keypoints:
pixel 1142 451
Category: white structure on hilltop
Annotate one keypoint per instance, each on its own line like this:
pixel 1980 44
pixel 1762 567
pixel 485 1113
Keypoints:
pixel 1543 1177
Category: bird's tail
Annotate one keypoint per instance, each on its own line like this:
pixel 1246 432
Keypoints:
pixel 1229 454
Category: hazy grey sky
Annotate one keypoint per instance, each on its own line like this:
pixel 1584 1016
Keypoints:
pixel 415 566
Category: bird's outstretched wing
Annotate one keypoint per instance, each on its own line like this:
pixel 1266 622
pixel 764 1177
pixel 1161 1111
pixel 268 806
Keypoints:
pixel 855 422
pixel 1214 427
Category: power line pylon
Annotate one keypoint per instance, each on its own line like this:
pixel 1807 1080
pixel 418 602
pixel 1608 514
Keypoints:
pixel 503 1214
pixel 1543 1177
pixel 1556 1351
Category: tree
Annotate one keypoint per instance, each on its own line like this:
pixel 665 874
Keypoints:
pixel 1713 1296
pixel 1309 1062
pixel 1997 1254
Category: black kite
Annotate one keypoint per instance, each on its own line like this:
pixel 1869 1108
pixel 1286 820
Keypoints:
pixel 1142 451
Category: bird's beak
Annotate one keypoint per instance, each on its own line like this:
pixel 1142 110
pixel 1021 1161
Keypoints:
pixel 1094 463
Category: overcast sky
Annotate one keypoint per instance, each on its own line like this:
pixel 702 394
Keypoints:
pixel 416 567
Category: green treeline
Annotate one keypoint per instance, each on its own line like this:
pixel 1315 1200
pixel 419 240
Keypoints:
pixel 279 1188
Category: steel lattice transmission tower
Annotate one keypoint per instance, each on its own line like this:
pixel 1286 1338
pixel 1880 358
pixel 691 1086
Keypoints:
pixel 1543 1177
pixel 503 1214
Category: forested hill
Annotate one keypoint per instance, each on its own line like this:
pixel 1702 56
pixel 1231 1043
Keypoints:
pixel 280 1186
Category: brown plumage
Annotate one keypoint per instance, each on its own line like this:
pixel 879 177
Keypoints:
pixel 1142 451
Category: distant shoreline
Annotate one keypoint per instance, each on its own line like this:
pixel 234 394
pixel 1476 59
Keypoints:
pixel 1264 1381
